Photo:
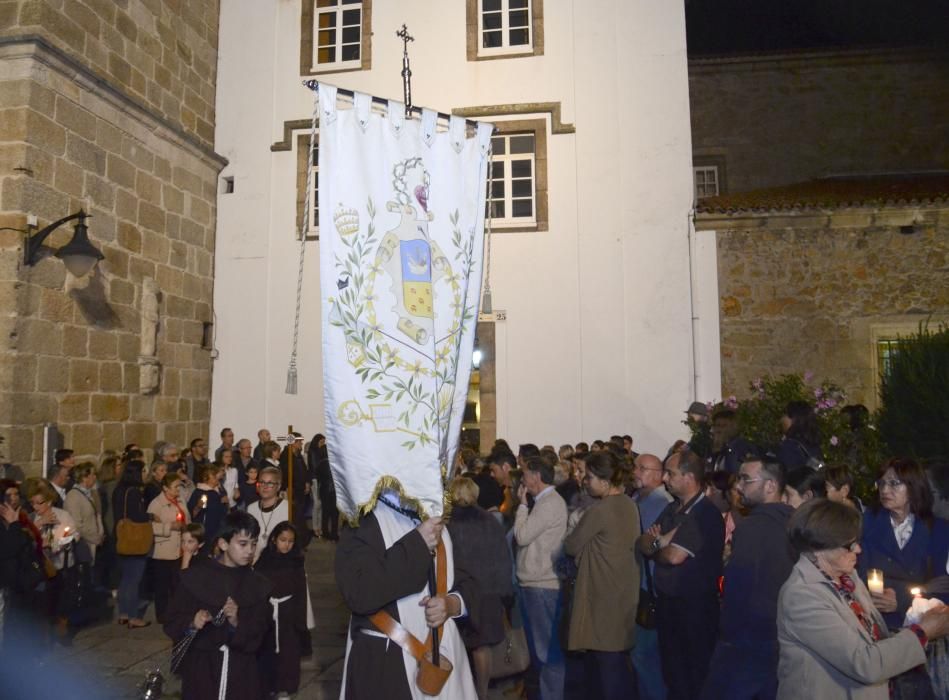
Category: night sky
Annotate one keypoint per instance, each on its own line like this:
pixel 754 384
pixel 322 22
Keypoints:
pixel 749 26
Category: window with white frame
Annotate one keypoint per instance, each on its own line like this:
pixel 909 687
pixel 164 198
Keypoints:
pixel 511 198
pixel 504 26
pixel 337 34
pixel 313 202
pixel 308 198
pixel 705 178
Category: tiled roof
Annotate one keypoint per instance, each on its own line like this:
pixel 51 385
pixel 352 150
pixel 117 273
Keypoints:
pixel 835 193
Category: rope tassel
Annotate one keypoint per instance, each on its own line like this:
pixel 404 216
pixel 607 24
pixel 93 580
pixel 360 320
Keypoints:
pixel 292 369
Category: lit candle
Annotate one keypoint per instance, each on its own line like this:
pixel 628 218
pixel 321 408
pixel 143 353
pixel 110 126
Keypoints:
pixel 180 517
pixel 65 531
pixel 875 581
pixel 916 592
pixel 204 501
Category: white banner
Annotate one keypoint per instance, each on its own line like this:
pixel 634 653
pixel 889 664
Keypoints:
pixel 401 232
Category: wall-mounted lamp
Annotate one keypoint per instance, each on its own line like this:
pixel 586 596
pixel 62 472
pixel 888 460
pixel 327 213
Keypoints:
pixel 79 255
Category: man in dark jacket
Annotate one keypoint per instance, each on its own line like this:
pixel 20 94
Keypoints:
pixel 729 449
pixel 745 661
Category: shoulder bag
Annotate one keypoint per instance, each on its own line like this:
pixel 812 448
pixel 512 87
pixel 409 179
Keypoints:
pixel 132 538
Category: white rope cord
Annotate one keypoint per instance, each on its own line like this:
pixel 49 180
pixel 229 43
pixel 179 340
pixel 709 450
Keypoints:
pixel 307 212
pixel 486 292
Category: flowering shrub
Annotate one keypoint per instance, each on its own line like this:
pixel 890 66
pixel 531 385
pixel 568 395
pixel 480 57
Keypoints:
pixel 760 413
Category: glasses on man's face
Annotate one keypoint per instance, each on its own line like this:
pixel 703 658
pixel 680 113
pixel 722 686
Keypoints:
pixel 268 483
pixel 747 479
pixel 889 484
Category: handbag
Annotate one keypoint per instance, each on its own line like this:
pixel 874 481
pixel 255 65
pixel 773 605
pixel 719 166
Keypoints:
pixel 132 538
pixel 510 655
pixel 646 607
pixel 76 589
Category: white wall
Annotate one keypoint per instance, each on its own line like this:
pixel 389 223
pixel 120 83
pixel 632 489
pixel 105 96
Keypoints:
pixel 598 336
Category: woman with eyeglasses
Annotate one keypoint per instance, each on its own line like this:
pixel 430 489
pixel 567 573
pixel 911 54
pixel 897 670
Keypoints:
pixel 902 537
pixel 833 642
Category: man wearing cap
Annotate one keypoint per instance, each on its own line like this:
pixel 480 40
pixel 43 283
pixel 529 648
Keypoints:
pixel 696 417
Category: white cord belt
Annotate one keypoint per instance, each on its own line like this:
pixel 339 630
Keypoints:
pixel 222 688
pixel 275 602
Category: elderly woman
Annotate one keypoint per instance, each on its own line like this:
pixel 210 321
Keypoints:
pixel 152 489
pixel 603 617
pixel 57 533
pixel 169 520
pixel 84 504
pixel 480 548
pixel 834 643
pixel 902 538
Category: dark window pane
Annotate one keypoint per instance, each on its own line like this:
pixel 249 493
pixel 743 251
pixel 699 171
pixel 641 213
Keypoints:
pixel 522 207
pixel 351 17
pixel 491 20
pixel 498 210
pixel 491 40
pixel 352 2
pixel 351 35
pixel 518 19
pixel 327 37
pixel 522 144
pixel 327 20
pixel 497 188
pixel 521 168
pixel 490 5
pixel 522 188
pixel 497 171
pixel 327 3
pixel 498 146
pixel 351 52
pixel 520 37
pixel 517 4
pixel 326 55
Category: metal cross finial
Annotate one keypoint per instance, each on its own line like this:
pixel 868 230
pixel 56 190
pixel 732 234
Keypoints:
pixel 404 35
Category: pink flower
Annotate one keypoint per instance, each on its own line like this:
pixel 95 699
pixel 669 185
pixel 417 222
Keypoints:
pixel 757 384
pixel 731 402
pixel 834 441
pixel 808 376
pixel 818 392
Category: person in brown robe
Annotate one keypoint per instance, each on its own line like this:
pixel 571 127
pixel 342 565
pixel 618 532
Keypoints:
pixel 225 603
pixel 371 577
pixel 282 564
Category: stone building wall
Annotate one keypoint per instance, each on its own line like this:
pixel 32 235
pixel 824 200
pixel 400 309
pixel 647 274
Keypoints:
pixel 106 106
pixel 812 291
pixel 771 121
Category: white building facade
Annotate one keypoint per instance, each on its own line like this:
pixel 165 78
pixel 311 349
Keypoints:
pixel 610 314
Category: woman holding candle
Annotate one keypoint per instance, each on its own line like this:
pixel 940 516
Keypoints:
pixel 169 519
pixel 902 538
pixel 833 642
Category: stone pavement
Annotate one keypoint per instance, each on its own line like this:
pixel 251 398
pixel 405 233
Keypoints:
pixel 119 658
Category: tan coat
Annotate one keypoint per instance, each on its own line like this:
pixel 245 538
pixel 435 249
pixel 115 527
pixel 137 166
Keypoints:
pixel 88 517
pixel 167 541
pixel 825 652
pixel 607 589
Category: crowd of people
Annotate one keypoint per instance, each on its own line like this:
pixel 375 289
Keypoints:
pixel 719 569
pixel 88 541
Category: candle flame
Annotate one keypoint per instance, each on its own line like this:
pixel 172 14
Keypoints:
pixel 916 591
